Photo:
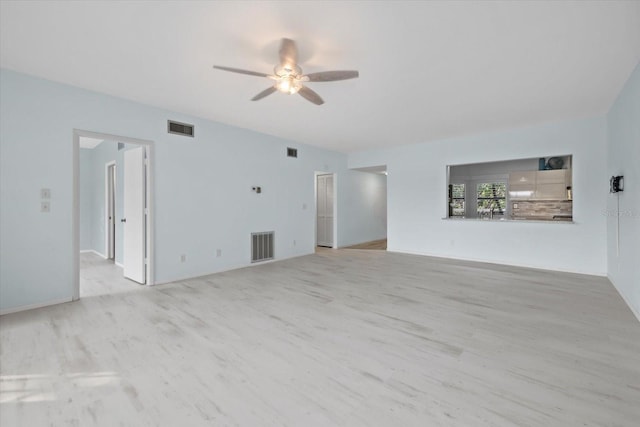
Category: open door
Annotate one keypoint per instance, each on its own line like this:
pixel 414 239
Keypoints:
pixel 111 211
pixel 134 215
pixel 324 206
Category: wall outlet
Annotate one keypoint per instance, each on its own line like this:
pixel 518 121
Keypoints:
pixel 218 253
pixel 45 193
pixel 183 258
pixel 45 207
pixel 304 206
pixel 294 243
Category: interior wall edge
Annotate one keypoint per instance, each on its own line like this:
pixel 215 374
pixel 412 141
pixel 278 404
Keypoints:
pixel 34 306
pixel 624 298
pixel 505 263
pixel 93 251
pixel 232 268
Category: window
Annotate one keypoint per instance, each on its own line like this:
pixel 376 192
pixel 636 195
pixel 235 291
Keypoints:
pixel 456 200
pixel 492 199
pixel 537 188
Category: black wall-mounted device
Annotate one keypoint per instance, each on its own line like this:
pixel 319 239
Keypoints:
pixel 616 184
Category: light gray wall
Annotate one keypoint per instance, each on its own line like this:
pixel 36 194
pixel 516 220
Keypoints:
pixel 623 154
pixel 417 198
pixel 203 198
pixel 364 196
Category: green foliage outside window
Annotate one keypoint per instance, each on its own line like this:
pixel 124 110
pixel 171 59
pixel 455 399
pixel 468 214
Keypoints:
pixel 457 200
pixel 492 196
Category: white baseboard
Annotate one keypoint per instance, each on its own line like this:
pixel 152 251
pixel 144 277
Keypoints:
pixel 34 306
pixel 93 251
pixel 229 268
pixel 359 243
pixel 118 264
pixel 624 298
pixel 511 264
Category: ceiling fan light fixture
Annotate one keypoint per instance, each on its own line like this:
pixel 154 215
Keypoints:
pixel 288 84
pixel 288 77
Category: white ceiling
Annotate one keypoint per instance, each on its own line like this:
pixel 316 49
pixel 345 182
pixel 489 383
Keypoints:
pixel 428 70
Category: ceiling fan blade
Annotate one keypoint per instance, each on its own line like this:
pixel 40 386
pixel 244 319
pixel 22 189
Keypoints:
pixel 288 53
pixel 332 76
pixel 268 91
pixel 238 70
pixel 310 95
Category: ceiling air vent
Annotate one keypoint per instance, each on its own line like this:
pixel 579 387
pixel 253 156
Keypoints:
pixel 179 128
pixel 292 152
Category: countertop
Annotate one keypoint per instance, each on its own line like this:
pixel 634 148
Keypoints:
pixel 521 219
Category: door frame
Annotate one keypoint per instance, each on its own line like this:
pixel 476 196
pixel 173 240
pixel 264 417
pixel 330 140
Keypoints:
pixel 335 208
pixel 75 212
pixel 109 207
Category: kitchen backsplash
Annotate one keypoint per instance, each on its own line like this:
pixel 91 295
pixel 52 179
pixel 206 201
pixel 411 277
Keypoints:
pixel 541 208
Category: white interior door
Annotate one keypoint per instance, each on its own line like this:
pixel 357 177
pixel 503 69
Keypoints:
pixel 321 189
pixel 324 205
pixel 134 215
pixel 111 211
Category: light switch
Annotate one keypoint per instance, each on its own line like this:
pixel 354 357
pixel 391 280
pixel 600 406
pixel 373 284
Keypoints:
pixel 45 207
pixel 45 193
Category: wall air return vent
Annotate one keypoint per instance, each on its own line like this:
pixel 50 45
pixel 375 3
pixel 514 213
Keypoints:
pixel 179 128
pixel 292 152
pixel 261 246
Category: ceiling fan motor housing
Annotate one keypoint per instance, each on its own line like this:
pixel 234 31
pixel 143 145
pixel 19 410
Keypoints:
pixel 287 70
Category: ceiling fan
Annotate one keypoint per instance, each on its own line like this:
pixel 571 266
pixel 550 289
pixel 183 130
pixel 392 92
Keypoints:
pixel 288 75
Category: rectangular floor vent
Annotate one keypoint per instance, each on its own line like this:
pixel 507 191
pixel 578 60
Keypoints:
pixel 261 246
pixel 179 128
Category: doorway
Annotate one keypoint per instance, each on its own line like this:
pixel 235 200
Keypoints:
pixel 325 207
pixel 126 218
pixel 368 214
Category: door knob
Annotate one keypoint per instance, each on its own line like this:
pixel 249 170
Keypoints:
pixel 123 220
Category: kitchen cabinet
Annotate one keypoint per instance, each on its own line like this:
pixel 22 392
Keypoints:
pixel 539 185
pixel 522 185
pixel 552 184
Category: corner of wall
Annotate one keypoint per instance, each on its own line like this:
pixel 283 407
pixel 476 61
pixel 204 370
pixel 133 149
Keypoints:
pixel 623 209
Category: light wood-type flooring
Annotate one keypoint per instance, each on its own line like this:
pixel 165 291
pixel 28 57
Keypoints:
pixel 338 338
pixel 99 276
